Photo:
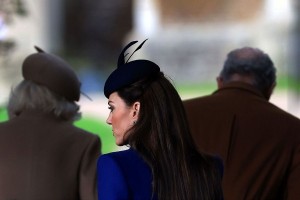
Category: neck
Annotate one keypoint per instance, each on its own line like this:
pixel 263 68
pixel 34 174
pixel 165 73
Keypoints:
pixel 245 79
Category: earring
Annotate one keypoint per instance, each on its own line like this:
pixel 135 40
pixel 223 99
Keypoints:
pixel 134 122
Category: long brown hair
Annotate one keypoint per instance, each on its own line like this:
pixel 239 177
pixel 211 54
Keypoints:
pixel 162 137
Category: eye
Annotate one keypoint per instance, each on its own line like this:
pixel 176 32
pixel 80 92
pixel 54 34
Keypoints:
pixel 110 108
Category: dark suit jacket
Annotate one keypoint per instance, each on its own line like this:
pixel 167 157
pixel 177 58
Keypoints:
pixel 258 142
pixel 122 176
pixel 42 157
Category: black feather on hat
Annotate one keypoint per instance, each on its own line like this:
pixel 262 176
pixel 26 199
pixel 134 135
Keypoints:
pixel 129 72
pixel 53 72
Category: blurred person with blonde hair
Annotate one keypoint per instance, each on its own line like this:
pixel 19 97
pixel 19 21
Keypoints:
pixel 42 154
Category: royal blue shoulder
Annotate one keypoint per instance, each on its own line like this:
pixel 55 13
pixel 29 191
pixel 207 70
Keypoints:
pixel 123 175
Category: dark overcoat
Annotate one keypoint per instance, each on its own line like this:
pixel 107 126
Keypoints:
pixel 258 142
pixel 45 158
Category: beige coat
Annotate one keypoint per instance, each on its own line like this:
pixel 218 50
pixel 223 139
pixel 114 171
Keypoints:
pixel 259 143
pixel 44 158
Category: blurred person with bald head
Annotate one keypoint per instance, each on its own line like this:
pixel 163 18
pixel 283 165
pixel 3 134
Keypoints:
pixel 258 142
pixel 42 155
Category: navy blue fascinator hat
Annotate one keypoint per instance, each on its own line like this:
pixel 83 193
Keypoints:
pixel 129 72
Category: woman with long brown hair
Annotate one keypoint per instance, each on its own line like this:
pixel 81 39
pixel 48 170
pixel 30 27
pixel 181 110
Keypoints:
pixel 162 162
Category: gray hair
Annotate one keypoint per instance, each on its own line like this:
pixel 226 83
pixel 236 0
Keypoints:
pixel 251 62
pixel 28 95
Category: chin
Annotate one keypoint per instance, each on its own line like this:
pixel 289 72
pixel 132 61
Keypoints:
pixel 120 143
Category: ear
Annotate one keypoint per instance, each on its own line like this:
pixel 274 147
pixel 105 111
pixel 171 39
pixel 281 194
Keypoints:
pixel 270 91
pixel 135 110
pixel 220 82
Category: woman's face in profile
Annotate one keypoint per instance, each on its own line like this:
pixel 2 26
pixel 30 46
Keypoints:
pixel 121 117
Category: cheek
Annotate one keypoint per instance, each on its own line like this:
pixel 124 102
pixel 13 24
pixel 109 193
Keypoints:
pixel 120 128
pixel 120 124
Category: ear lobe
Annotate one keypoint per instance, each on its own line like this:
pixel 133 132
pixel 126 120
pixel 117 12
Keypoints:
pixel 273 87
pixel 219 82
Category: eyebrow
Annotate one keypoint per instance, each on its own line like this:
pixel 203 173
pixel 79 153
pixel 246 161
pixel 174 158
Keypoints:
pixel 109 102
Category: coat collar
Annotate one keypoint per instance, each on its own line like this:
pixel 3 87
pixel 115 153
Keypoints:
pixel 237 85
pixel 37 114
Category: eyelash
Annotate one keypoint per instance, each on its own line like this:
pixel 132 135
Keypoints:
pixel 110 108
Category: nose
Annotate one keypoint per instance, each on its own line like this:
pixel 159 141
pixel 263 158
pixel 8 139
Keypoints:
pixel 108 120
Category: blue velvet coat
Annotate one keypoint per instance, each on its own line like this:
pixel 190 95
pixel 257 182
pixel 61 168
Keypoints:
pixel 124 175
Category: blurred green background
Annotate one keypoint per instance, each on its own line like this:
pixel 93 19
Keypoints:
pixel 93 125
pixel 188 39
pixel 99 127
